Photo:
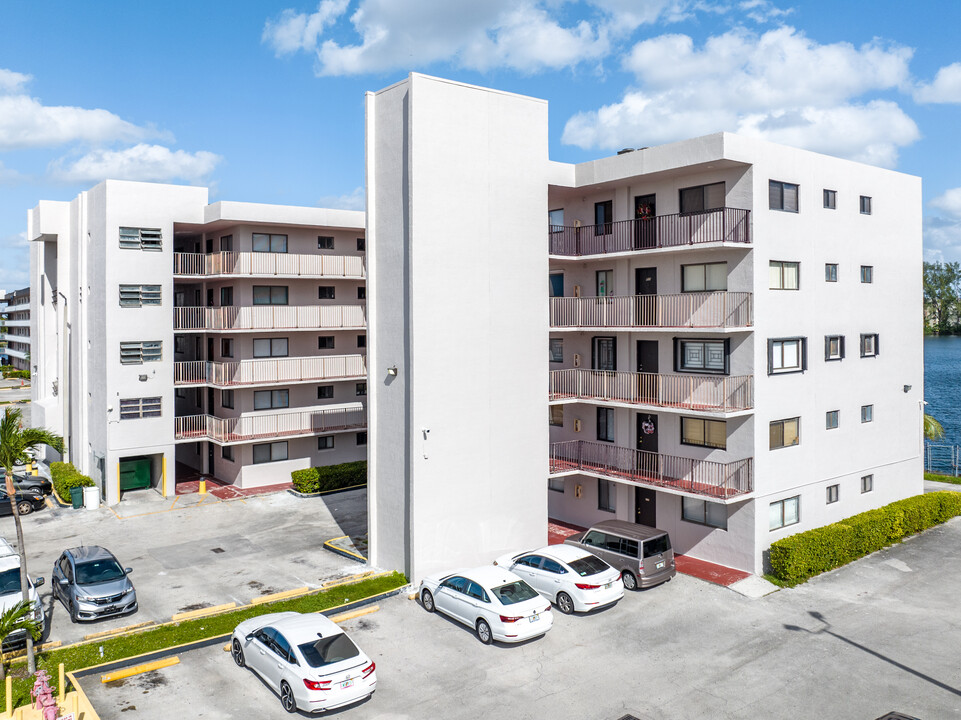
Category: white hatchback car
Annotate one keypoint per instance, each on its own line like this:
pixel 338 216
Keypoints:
pixel 492 600
pixel 306 659
pixel 571 577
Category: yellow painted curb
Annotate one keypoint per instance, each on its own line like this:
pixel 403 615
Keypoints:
pixel 280 596
pixel 350 579
pixel 117 631
pixel 138 669
pixel 213 609
pixel 355 613
pixel 343 550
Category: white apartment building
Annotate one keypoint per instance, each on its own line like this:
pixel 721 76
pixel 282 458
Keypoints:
pixel 174 338
pixel 735 352
pixel 15 328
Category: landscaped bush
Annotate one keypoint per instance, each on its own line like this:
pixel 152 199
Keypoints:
pixel 799 557
pixel 65 476
pixel 330 477
pixel 25 374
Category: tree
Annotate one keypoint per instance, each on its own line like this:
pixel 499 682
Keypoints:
pixel 15 442
pixel 942 289
pixel 932 428
pixel 17 617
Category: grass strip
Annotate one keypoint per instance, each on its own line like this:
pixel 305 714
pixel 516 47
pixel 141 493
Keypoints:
pixel 151 640
pixel 937 477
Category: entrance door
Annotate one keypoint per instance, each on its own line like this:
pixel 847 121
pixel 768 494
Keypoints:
pixel 645 506
pixel 647 382
pixel 645 300
pixel 210 458
pixel 604 354
pixel 647 460
pixel 210 245
pixel 210 349
pixel 645 226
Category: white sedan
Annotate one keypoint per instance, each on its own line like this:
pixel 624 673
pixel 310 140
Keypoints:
pixel 571 577
pixel 493 601
pixel 306 659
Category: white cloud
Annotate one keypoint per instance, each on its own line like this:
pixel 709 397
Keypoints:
pixel 946 87
pixel 15 268
pixel 354 200
pixel 762 11
pixel 942 233
pixel 780 85
pixel 11 81
pixel 949 202
pixel 294 31
pixel 9 176
pixel 154 163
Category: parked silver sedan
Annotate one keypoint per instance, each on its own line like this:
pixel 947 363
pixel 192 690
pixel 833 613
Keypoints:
pixel 91 584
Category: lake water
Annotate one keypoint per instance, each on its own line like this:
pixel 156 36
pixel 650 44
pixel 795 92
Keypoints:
pixel 942 384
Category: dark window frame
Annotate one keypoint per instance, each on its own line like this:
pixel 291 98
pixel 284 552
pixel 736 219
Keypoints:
pixel 604 225
pixel 782 502
pixel 781 422
pixel 830 199
pixel 864 205
pixel 704 421
pixel 802 350
pixel 832 416
pixel 830 272
pixel 876 343
pixel 704 502
pixel 608 423
pixel 827 348
pixel 776 196
pixel 832 494
pixel 679 366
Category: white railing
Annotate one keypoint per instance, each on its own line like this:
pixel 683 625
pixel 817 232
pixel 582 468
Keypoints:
pixel 270 317
pixel 256 427
pixel 254 372
pixel 688 392
pixel 696 310
pixel 251 263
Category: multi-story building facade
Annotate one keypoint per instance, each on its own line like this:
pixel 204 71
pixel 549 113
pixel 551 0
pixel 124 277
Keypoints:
pixel 176 337
pixel 15 328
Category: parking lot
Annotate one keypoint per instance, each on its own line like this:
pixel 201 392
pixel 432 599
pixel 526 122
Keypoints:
pixel 195 552
pixel 879 635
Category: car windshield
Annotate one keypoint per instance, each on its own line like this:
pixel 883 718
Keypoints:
pixel 10 581
pixel 514 592
pixel 588 565
pixel 329 650
pixel 98 571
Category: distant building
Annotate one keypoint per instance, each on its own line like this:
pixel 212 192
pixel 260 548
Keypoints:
pixel 15 328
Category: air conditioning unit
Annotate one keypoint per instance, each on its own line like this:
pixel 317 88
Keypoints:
pixel 577 291
pixel 577 425
pixel 577 360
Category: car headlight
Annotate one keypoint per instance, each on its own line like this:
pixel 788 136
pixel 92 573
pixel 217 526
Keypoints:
pixel 38 612
pixel 128 591
pixel 84 598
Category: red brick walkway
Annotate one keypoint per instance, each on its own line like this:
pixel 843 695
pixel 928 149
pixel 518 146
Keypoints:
pixel 188 482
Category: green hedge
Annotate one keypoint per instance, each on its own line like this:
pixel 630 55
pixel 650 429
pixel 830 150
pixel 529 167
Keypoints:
pixel 25 374
pixel 799 557
pixel 65 476
pixel 330 477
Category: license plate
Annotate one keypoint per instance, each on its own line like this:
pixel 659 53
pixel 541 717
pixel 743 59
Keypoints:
pixel 607 586
pixel 534 617
pixel 660 565
pixel 347 683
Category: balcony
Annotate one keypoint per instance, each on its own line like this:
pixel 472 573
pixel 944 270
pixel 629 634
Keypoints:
pixel 724 225
pixel 9 337
pixel 269 427
pixel 699 393
pixel 268 265
pixel 719 482
pixel 270 317
pixel 708 310
pixel 268 372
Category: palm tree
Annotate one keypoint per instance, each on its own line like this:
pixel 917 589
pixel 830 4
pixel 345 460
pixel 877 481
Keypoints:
pixel 15 441
pixel 932 428
pixel 17 617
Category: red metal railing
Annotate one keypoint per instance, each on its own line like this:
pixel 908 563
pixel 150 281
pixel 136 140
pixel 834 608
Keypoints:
pixel 697 310
pixel 688 392
pixel 253 372
pixel 699 477
pixel 270 317
pixel 730 225
pixel 256 427
pixel 251 263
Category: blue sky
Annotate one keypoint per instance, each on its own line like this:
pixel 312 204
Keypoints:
pixel 264 101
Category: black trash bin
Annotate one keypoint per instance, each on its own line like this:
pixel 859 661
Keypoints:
pixel 76 497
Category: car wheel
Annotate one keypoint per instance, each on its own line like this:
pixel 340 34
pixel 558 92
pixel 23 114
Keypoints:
pixel 630 582
pixel 237 653
pixel 564 603
pixel 73 613
pixel 287 697
pixel 484 633
pixel 24 507
pixel 427 600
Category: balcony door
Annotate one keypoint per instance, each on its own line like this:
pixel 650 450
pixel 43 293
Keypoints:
pixel 604 354
pixel 645 506
pixel 645 297
pixel 647 461
pixel 647 384
pixel 645 226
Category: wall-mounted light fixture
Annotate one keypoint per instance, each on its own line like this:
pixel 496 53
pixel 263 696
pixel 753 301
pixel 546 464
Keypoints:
pixel 907 388
pixel 143 378
pixel 392 370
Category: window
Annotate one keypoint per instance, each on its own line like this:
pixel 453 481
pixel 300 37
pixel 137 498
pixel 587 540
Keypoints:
pixel 226 347
pixel 557 415
pixel 604 283
pixel 325 292
pixel 555 218
pixel 137 353
pixel 786 355
pixel 605 424
pixel 867 413
pixel 705 277
pixel 865 205
pixel 362 293
pixel 785 512
pixel 784 275
pixel 831 419
pixel 271 399
pixel 270 347
pixel 140 238
pixel 136 408
pixel 361 341
pixel 179 344
pixel 557 350
pixel 785 433
pixel 325 342
pixel 867 484
pixel 226 243
pixel 227 452
pixel 830 272
pixel 833 347
pixel 270 294
pixel 555 484
pixel 325 243
pixel 263 242
pixel 227 398
pixel 362 438
pixel 325 442
pixel 361 389
pixel 604 217
pixel 361 244
pixel 556 286
pixel 226 296
pixel 325 392
pixel 704 512
pixel 606 495
pixel 867 273
pixel 705 433
pixel 137 295
pixel 833 493
pixel 702 197
pixel 782 196
pixel 270 452
pixel 831 199
pixel 869 345
pixel 702 356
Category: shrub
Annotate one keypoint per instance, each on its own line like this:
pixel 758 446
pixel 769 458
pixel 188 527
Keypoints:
pixel 25 374
pixel 64 477
pixel 330 477
pixel 799 557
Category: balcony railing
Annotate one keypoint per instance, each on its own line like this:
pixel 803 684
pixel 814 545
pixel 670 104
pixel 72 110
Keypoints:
pixel 730 225
pixel 257 372
pixel 684 310
pixel 685 392
pixel 257 427
pixel 251 263
pixel 699 477
pixel 270 317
